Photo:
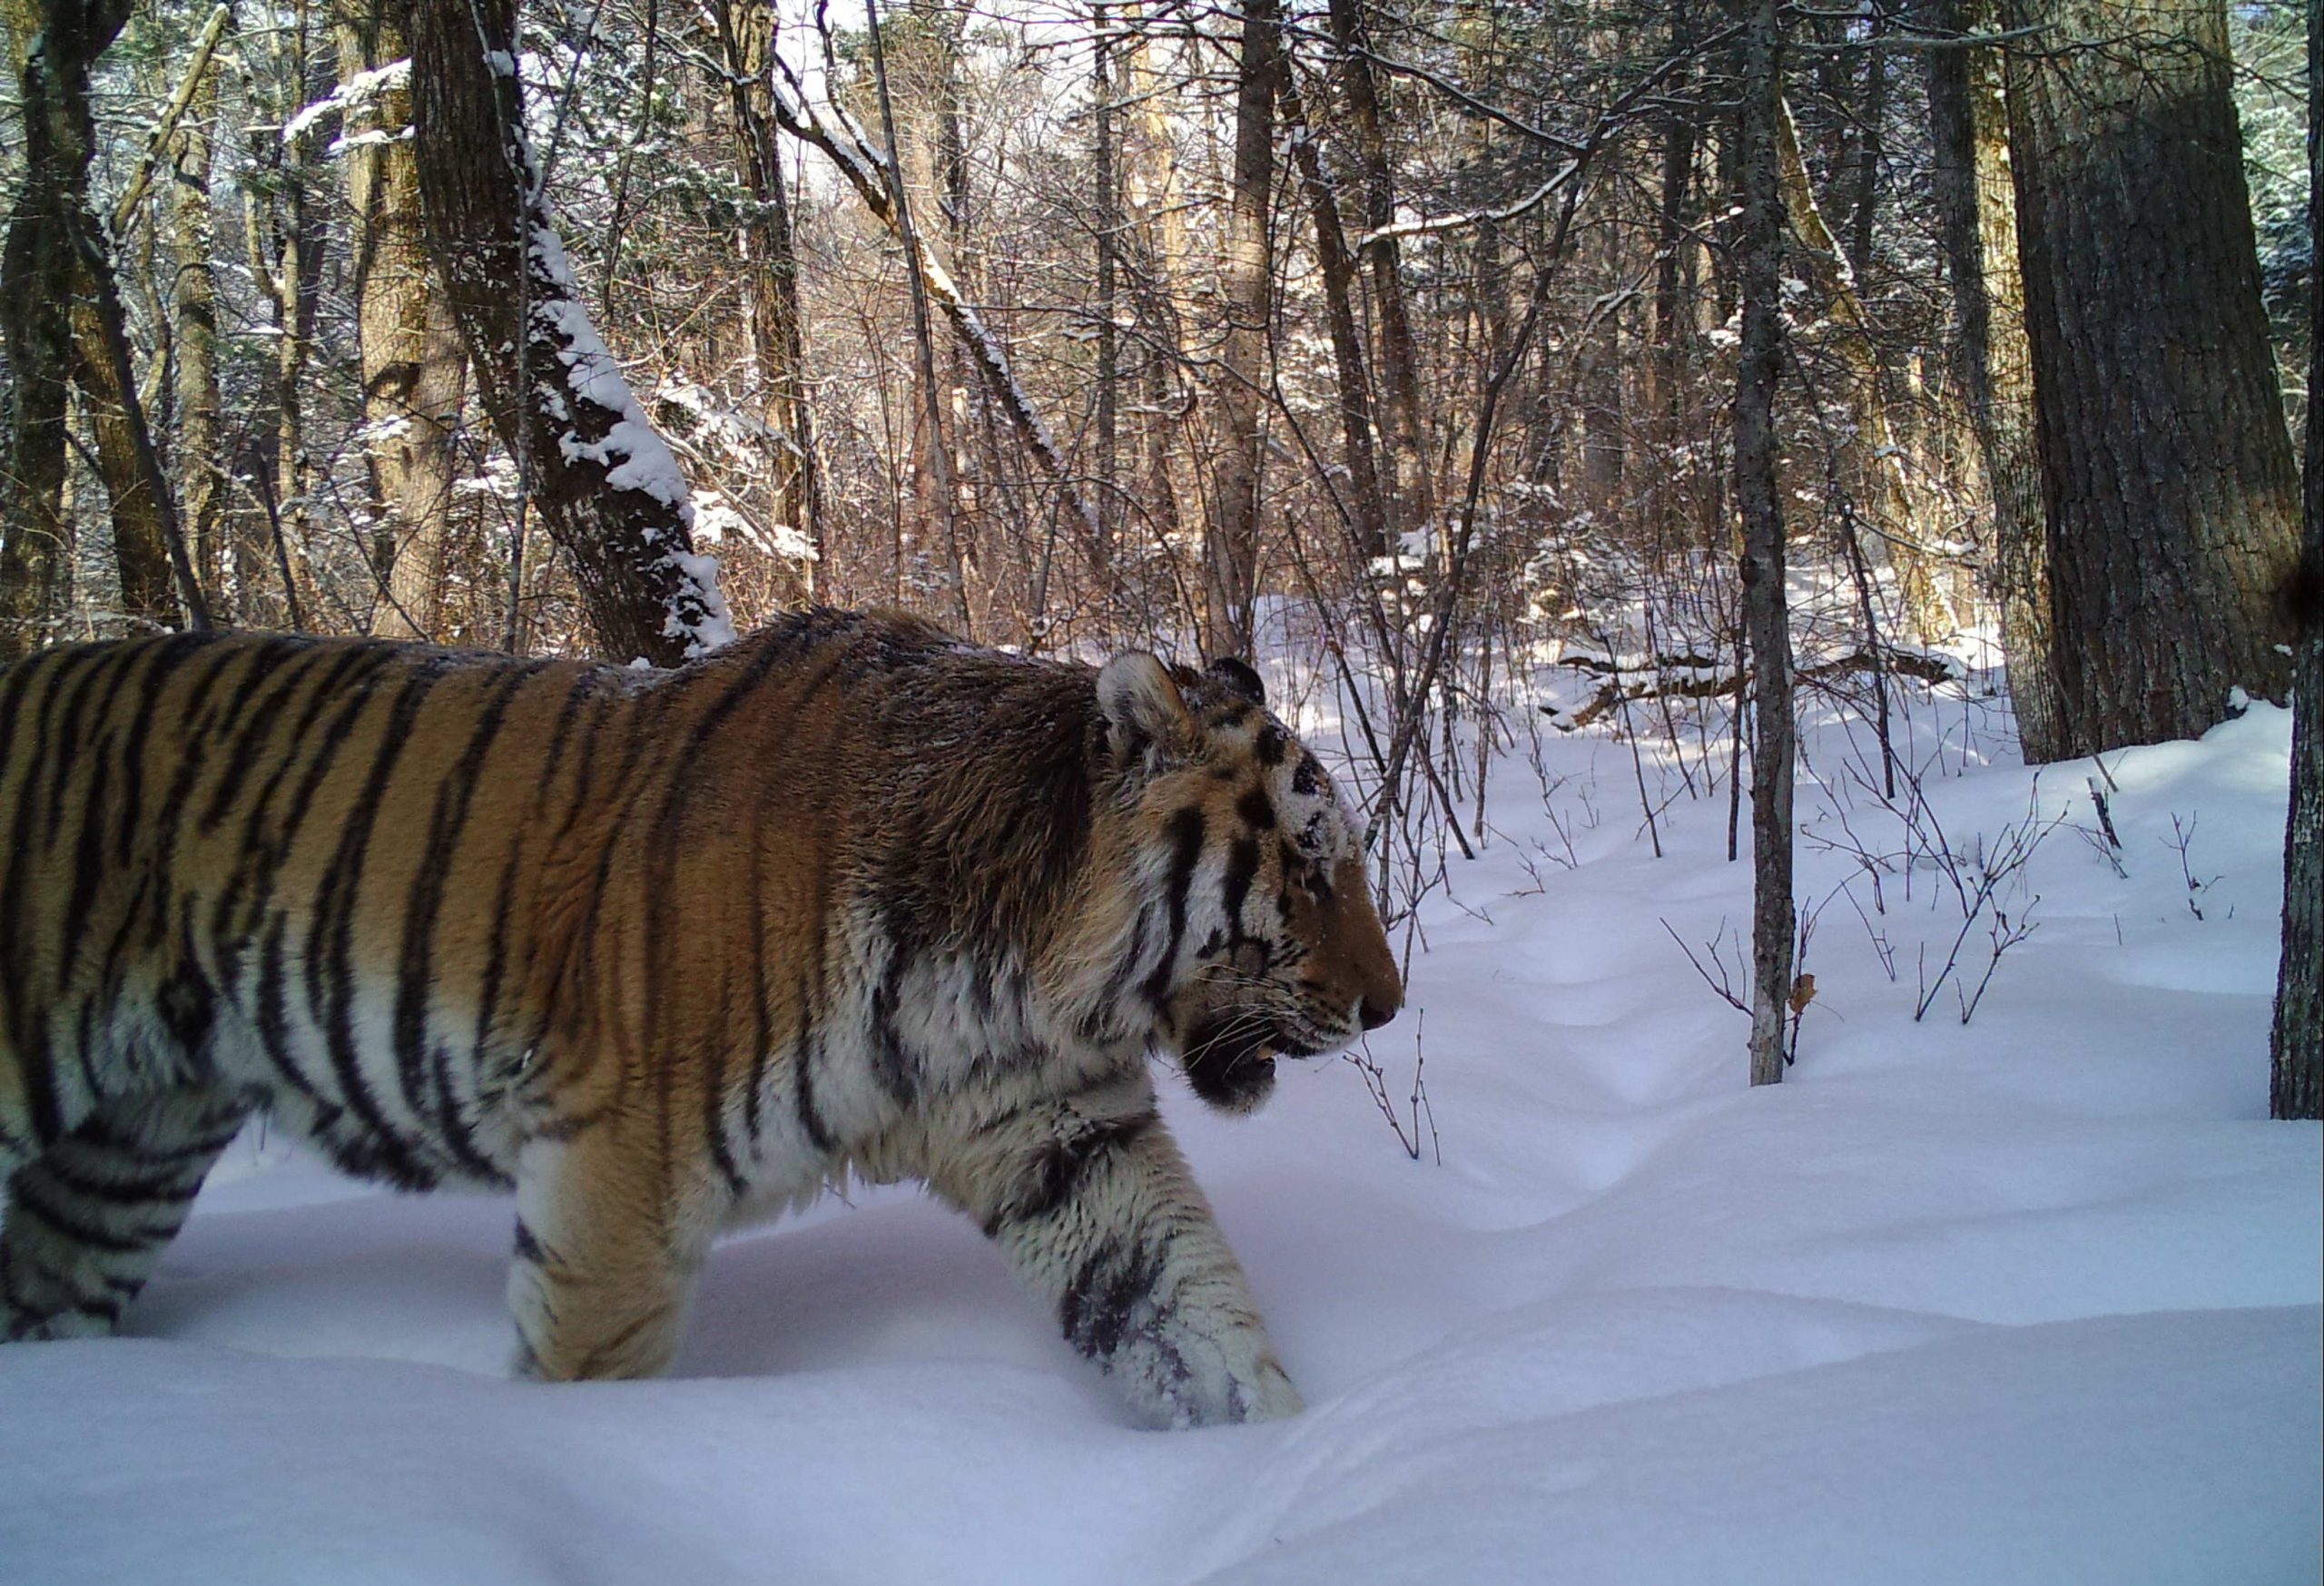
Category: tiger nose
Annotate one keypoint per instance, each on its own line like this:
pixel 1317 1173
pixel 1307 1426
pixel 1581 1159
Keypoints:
pixel 1374 1015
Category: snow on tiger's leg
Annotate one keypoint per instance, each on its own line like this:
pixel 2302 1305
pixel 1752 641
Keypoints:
pixel 610 1235
pixel 1090 1199
pixel 87 1218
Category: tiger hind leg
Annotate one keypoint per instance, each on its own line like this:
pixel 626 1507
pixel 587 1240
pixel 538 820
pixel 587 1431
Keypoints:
pixel 87 1218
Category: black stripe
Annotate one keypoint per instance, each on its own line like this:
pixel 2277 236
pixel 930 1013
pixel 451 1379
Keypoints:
pixel 65 750
pixel 583 687
pixel 453 799
pixel 761 1006
pixel 27 1029
pixel 891 1064
pixel 274 1018
pixel 1095 1306
pixel 88 857
pixel 803 1076
pixel 329 966
pixel 1063 1166
pixel 245 758
pixel 24 1196
pixel 1185 852
pixel 168 657
pixel 1242 869
pixel 345 674
pixel 153 1188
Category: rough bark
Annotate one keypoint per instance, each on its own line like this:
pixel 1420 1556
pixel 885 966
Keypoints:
pixel 1765 616
pixel 603 481
pixel 1992 365
pixel 39 272
pixel 2167 472
pixel 1231 540
pixel 140 543
pixel 415 370
pixel 2296 1082
pixel 778 340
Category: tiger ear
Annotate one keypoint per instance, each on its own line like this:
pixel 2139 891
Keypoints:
pixel 1142 707
pixel 1238 677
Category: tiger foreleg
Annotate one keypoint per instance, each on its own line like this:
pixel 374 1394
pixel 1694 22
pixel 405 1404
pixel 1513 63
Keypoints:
pixel 1092 1203
pixel 609 1239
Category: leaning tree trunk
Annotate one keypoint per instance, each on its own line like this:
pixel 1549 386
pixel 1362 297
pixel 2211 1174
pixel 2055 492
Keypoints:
pixel 1766 614
pixel 604 482
pixel 2166 468
pixel 2296 1087
pixel 1992 365
pixel 1231 545
pixel 415 370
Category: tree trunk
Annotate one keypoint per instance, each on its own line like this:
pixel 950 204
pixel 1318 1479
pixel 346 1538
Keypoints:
pixel 605 483
pixel 1231 549
pixel 2295 1084
pixel 1107 421
pixel 778 342
pixel 414 371
pixel 1410 483
pixel 200 469
pixel 1338 271
pixel 2167 472
pixel 140 540
pixel 1992 364
pixel 1872 460
pixel 40 273
pixel 1766 615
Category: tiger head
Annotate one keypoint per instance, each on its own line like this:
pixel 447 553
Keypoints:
pixel 1257 935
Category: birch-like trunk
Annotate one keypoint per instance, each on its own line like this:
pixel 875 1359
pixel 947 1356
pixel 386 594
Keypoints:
pixel 415 370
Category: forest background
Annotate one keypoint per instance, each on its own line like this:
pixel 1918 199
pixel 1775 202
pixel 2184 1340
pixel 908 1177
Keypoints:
pixel 1441 342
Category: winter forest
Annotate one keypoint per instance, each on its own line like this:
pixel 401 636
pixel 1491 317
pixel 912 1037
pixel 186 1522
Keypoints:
pixel 1784 522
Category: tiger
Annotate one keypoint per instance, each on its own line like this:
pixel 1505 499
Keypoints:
pixel 662 951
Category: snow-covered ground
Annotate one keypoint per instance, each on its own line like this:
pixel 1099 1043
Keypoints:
pixel 2033 1298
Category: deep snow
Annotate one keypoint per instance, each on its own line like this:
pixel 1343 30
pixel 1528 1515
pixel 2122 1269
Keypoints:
pixel 2031 1299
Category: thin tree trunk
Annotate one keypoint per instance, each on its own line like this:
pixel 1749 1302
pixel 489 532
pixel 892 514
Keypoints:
pixel 778 342
pixel 1765 612
pixel 2172 499
pixel 1231 547
pixel 200 467
pixel 415 370
pixel 1411 482
pixel 1873 459
pixel 1105 148
pixel 604 482
pixel 1338 271
pixel 1992 364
